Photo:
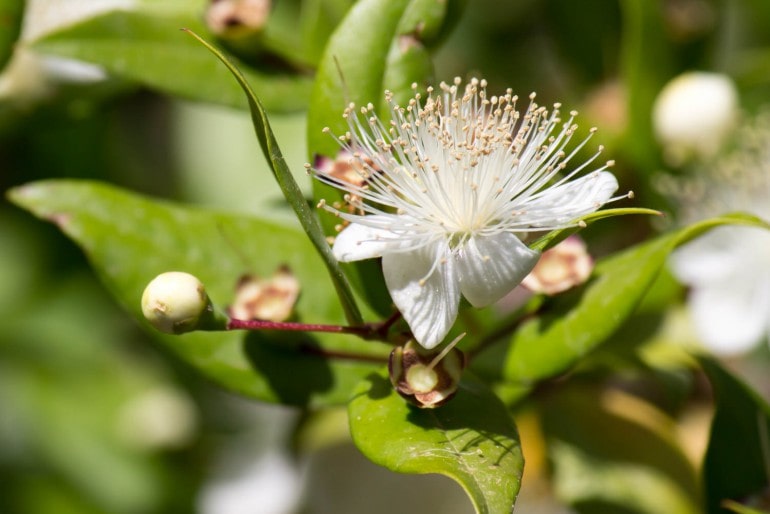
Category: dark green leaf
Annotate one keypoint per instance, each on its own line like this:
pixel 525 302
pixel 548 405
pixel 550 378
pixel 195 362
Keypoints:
pixel 472 439
pixel 130 239
pixel 737 462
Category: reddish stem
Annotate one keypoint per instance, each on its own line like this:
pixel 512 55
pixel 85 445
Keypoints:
pixel 366 331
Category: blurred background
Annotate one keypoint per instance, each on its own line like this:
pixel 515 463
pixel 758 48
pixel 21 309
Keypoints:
pixel 96 418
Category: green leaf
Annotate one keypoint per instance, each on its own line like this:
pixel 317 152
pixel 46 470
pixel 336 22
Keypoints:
pixel 318 19
pixel 355 67
pixel 578 321
pixel 555 237
pixel 472 439
pixel 290 189
pixel 737 462
pixel 145 45
pixel 618 453
pixel 130 239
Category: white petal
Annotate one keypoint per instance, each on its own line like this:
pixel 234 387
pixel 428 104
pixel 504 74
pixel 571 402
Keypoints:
pixel 429 309
pixel 731 317
pixel 715 256
pixel 358 242
pixel 490 267
pixel 564 203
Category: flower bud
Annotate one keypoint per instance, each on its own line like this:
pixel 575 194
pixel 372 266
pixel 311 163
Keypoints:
pixel 560 268
pixel 694 114
pixel 176 302
pixel 424 377
pixel 271 299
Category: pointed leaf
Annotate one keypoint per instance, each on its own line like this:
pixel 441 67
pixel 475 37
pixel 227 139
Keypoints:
pixel 737 462
pixel 290 189
pixel 472 439
pixel 130 239
pixel 555 237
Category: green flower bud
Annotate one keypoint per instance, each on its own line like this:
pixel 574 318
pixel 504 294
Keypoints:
pixel 427 378
pixel 176 302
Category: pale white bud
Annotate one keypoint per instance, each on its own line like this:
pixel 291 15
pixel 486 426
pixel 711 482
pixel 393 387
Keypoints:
pixel 174 302
pixel 693 115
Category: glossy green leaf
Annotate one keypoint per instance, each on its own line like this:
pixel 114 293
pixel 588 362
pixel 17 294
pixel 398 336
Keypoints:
pixel 737 460
pixel 129 239
pixel 318 19
pixel 555 237
pixel 472 439
pixel 355 66
pixel 290 189
pixel 617 453
pixel 146 45
pixel 576 322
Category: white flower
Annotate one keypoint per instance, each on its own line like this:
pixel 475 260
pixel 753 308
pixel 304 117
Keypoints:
pixel 451 188
pixel 693 115
pixel 728 269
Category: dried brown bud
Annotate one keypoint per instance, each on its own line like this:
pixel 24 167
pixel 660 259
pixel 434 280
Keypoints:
pixel 350 169
pixel 426 378
pixel 270 299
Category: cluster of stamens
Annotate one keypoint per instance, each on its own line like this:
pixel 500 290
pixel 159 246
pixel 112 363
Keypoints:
pixel 458 163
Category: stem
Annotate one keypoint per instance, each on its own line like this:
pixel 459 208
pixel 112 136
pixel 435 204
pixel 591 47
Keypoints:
pixel 376 331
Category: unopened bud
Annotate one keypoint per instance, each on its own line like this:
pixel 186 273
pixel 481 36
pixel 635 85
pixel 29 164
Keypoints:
pixel 426 378
pixel 176 302
pixel 560 268
pixel 694 114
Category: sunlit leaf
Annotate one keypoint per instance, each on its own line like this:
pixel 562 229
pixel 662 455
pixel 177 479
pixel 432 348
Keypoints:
pixel 472 439
pixel 129 239
pixel 555 237
pixel 576 322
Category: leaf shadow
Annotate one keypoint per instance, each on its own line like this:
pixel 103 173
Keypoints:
pixel 291 363
pixel 472 417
